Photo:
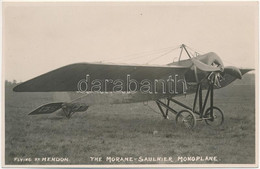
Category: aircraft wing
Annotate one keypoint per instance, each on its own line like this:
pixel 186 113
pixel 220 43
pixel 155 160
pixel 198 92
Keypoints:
pixel 67 78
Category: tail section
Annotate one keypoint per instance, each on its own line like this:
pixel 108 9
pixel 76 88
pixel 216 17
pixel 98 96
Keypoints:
pixel 47 108
pixel 68 108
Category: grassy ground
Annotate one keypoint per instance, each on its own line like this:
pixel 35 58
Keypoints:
pixel 129 130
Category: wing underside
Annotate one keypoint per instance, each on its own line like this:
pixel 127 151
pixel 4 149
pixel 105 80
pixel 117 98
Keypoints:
pixel 68 77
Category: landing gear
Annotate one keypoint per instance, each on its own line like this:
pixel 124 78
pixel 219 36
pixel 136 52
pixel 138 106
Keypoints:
pixel 213 116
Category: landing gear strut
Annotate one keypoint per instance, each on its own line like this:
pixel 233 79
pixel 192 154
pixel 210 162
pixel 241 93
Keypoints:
pixel 213 116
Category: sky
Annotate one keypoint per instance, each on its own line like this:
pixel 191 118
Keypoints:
pixel 39 37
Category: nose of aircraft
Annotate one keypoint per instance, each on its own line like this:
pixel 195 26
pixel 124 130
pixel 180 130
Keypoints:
pixel 234 71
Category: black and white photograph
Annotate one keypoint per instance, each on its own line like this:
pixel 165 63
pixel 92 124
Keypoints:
pixel 130 84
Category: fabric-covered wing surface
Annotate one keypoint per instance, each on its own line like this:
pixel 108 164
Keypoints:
pixel 67 78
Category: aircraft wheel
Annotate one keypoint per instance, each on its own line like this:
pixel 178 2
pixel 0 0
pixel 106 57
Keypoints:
pixel 218 117
pixel 186 118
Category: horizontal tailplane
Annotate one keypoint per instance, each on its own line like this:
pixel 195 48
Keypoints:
pixel 67 108
pixel 47 108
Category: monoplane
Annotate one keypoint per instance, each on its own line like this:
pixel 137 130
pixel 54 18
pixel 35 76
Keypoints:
pixel 106 83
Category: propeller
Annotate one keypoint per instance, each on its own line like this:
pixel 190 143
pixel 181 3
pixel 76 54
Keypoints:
pixel 212 63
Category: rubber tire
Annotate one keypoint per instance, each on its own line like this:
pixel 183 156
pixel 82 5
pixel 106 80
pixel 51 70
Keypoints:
pixel 192 115
pixel 221 114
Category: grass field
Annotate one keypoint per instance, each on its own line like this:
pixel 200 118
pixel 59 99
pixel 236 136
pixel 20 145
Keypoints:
pixel 129 130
